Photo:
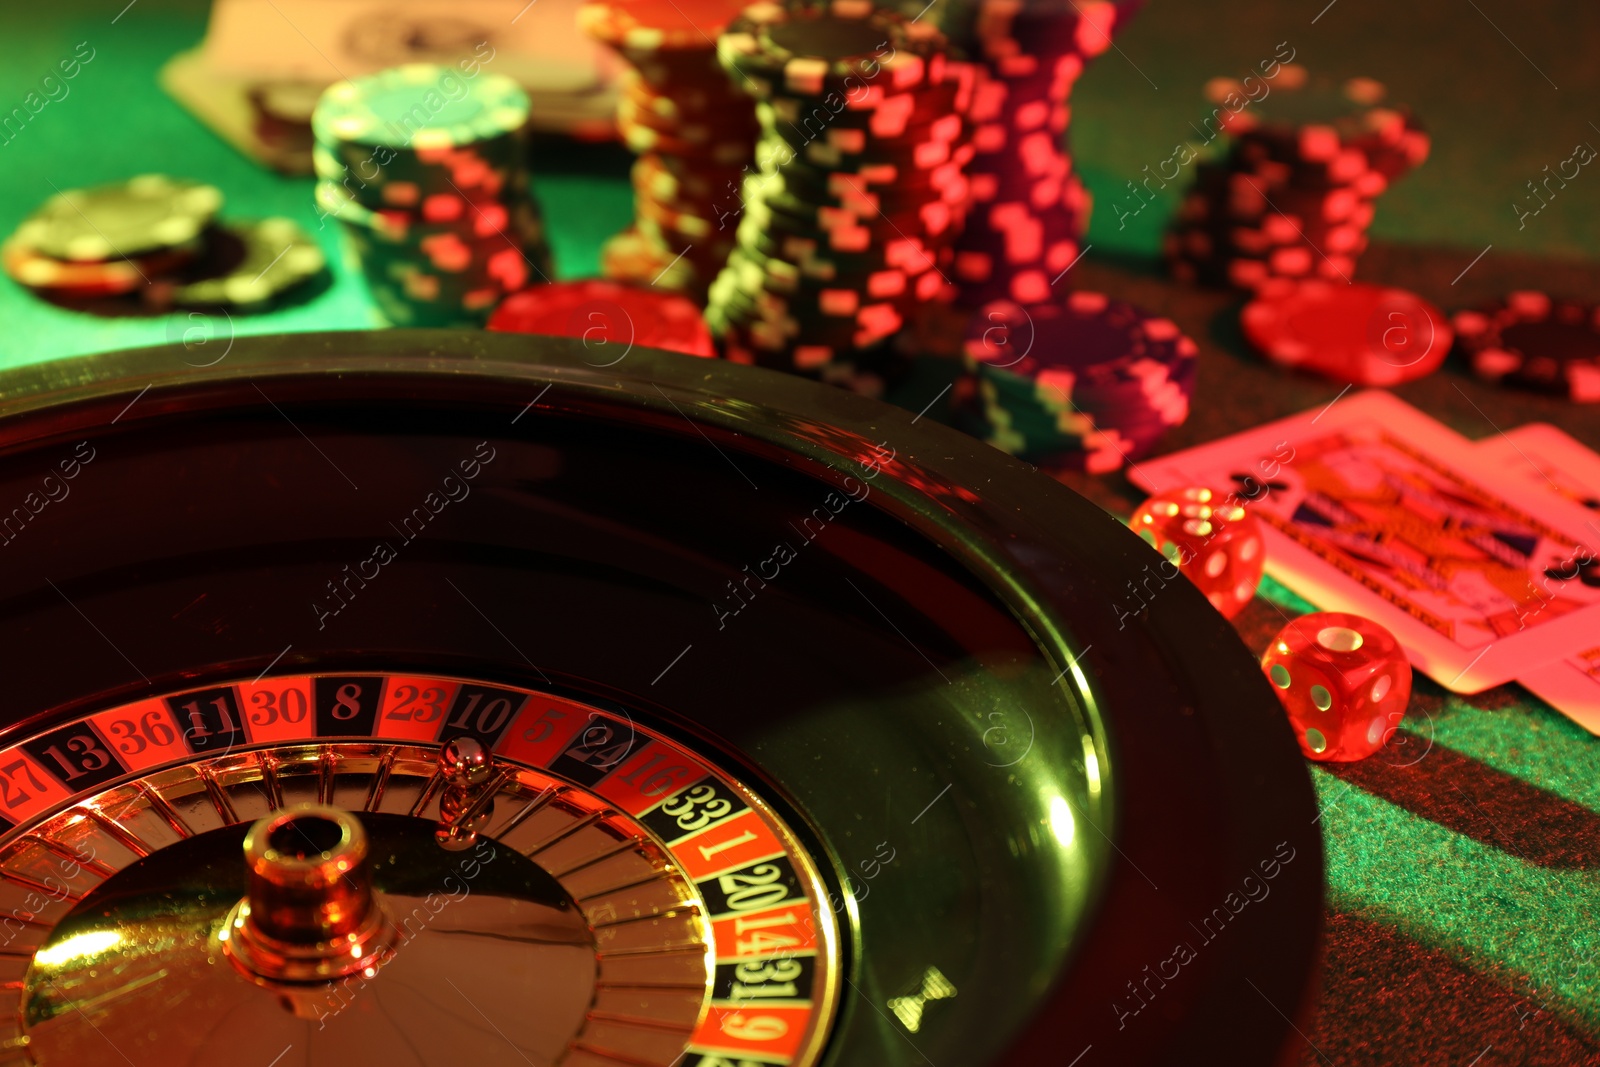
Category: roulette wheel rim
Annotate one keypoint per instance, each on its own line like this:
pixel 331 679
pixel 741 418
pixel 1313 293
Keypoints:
pixel 1198 790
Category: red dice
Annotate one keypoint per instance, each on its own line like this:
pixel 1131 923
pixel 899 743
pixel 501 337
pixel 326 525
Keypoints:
pixel 1344 681
pixel 1212 541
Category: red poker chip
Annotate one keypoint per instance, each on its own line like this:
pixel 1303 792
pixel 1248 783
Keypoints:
pixel 1351 332
pixel 609 318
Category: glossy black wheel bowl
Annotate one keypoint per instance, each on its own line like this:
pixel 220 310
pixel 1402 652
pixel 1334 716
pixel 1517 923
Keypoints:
pixel 1103 837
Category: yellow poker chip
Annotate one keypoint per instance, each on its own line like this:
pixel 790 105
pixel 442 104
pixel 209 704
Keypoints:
pixel 30 267
pixel 149 213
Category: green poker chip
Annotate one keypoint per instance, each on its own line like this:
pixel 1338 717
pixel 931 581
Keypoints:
pixel 395 138
pixel 420 106
pixel 149 213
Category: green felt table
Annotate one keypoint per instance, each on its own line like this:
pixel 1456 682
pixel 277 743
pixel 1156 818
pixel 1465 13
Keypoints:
pixel 1462 864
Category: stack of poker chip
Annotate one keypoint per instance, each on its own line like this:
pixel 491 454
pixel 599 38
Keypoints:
pixel 1083 382
pixel 154 242
pixel 1534 341
pixel 1297 190
pixel 694 134
pixel 1029 207
pixel 848 223
pixel 425 170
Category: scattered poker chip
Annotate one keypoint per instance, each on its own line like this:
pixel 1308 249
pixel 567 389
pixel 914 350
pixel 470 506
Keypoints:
pixel 263 260
pixel 1298 187
pixel 608 317
pixel 1534 341
pixel 244 266
pixel 146 214
pixel 46 274
pixel 1356 333
pixel 694 133
pixel 1085 382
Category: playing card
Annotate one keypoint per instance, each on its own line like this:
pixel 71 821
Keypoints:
pixel 1547 460
pixel 1370 506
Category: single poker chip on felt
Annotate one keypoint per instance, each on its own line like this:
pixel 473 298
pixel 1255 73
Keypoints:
pixel 657 25
pixel 149 213
pixel 609 318
pixel 1351 332
pixel 1532 340
pixel 263 261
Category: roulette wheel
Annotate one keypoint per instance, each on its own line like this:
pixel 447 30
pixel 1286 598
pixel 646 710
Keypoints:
pixel 427 697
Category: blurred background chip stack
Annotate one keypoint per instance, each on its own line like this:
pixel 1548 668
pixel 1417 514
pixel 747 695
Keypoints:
pixel 1297 190
pixel 847 225
pixel 425 169
pixel 694 133
pixel 1029 207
